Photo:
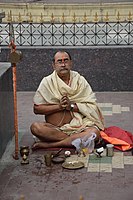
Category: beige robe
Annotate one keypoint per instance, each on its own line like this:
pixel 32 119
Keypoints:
pixel 79 91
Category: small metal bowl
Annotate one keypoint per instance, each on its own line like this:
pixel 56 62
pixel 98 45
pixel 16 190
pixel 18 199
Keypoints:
pixel 58 159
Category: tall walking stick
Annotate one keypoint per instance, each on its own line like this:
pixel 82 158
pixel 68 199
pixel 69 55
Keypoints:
pixel 14 57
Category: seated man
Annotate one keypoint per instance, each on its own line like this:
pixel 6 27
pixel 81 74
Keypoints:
pixel 66 100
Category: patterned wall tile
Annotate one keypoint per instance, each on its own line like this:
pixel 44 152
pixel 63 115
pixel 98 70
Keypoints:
pixel 93 167
pixel 105 167
pixel 128 160
pixel 110 109
pixel 118 160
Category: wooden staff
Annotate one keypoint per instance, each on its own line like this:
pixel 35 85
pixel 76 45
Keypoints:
pixel 15 111
pixel 14 58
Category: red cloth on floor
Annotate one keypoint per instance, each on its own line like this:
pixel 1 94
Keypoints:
pixel 122 139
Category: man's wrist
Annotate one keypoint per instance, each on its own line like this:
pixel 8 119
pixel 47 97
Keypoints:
pixel 61 107
pixel 72 106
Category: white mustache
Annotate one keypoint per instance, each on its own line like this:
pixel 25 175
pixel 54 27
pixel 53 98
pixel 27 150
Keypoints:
pixel 63 69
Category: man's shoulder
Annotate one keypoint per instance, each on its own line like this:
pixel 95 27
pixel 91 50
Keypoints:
pixel 47 77
pixel 77 74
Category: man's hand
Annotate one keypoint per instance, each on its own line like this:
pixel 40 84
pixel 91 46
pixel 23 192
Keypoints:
pixel 65 103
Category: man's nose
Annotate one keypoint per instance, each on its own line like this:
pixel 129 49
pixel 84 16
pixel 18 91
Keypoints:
pixel 63 63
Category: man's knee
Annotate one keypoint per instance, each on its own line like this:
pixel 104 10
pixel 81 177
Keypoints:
pixel 97 132
pixel 35 128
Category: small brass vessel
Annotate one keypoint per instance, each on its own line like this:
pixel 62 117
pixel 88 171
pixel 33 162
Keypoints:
pixel 48 159
pixel 24 152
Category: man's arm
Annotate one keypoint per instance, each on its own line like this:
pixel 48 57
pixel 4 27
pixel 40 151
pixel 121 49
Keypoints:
pixel 46 109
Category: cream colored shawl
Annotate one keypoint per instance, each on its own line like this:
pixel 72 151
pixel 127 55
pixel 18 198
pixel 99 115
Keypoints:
pixel 79 91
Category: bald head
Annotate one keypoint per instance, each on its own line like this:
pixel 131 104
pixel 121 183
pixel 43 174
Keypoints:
pixel 59 53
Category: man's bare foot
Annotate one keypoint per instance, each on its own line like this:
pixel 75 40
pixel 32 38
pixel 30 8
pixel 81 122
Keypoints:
pixel 39 145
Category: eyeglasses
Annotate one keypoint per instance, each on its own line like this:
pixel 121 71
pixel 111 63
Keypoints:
pixel 60 62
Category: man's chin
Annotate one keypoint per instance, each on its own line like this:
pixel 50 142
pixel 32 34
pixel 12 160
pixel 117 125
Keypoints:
pixel 64 71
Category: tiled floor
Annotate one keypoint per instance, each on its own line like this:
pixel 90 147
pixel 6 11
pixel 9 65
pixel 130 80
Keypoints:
pixel 108 178
pixel 104 164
